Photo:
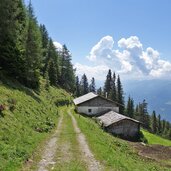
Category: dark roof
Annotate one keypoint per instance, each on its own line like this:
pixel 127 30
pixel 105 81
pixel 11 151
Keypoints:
pixel 90 96
pixel 113 117
pixel 84 98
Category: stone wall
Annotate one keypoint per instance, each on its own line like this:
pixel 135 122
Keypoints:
pixel 126 128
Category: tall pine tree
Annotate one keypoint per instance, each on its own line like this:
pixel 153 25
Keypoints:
pixel 77 87
pixel 112 93
pixel 12 37
pixel 108 84
pixel 100 91
pixel 84 85
pixel 130 107
pixel 45 47
pixel 120 96
pixel 33 55
pixel 92 87
pixel 52 64
pixel 154 122
pixel 67 78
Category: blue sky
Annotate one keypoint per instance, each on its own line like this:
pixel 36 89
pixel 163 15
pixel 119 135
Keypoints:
pixel 131 37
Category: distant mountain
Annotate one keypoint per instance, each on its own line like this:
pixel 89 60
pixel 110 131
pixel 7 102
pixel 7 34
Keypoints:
pixel 157 93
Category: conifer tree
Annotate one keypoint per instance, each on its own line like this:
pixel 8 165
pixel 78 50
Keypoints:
pixel 52 64
pixel 77 87
pixel 154 122
pixel 130 107
pixel 92 86
pixel 67 78
pixel 108 84
pixel 99 91
pixel 163 124
pixel 142 115
pixel 45 47
pixel 84 85
pixel 112 94
pixel 12 37
pixel 120 96
pixel 145 115
pixel 33 56
pixel 159 124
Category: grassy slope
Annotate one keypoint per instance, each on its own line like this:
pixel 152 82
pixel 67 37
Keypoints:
pixel 24 128
pixel 154 139
pixel 113 152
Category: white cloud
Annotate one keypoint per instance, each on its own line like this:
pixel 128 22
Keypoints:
pixel 130 43
pixel 99 72
pixel 58 45
pixel 162 69
pixel 102 49
pixel 168 103
pixel 129 59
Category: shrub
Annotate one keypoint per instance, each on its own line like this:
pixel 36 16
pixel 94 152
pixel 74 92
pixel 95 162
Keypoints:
pixel 12 104
pixel 143 138
pixel 2 108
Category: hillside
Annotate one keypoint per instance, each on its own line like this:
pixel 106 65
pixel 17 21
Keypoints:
pixel 26 118
pixel 155 139
pixel 33 127
pixel 115 153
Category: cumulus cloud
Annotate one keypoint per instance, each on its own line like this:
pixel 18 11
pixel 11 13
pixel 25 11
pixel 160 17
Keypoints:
pixel 129 58
pixel 99 72
pixel 103 49
pixel 57 45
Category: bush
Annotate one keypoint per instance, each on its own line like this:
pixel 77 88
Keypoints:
pixel 143 138
pixel 2 108
pixel 12 104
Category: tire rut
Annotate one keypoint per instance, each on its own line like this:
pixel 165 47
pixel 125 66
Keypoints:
pixel 50 149
pixel 87 155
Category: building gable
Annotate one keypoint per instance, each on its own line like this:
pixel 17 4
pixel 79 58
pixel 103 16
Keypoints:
pixel 99 101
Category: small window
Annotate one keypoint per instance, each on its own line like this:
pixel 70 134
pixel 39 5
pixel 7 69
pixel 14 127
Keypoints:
pixel 89 110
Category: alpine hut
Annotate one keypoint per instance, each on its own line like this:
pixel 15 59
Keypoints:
pixel 118 124
pixel 92 104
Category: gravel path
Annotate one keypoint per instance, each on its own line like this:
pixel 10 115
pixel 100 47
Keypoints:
pixel 91 162
pixel 50 149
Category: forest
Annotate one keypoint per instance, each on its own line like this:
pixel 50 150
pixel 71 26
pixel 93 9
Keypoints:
pixel 28 54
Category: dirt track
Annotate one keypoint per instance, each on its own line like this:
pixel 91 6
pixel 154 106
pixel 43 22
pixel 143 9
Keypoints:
pixel 91 162
pixel 50 149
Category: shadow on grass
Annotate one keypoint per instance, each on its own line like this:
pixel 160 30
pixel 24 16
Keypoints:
pixel 12 84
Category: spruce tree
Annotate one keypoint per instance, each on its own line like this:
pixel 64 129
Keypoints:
pixel 52 64
pixel 112 93
pixel 99 91
pixel 45 47
pixel 67 78
pixel 142 115
pixel 77 87
pixel 154 122
pixel 159 124
pixel 92 87
pixel 163 124
pixel 33 55
pixel 108 84
pixel 12 37
pixel 84 85
pixel 120 96
pixel 145 115
pixel 130 107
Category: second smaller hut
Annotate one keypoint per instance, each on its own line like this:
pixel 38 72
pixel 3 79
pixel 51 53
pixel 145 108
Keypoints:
pixel 118 124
